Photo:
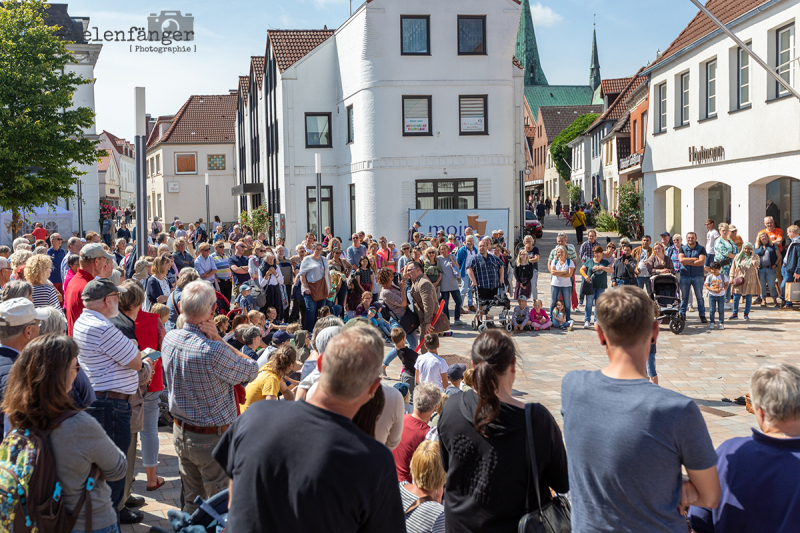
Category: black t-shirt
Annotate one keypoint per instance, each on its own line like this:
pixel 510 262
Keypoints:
pixel 296 467
pixel 487 478
pixel 408 357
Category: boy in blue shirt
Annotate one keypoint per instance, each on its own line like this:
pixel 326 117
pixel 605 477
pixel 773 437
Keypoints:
pixel 244 300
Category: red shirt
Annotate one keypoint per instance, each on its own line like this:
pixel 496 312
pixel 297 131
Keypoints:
pixel 414 431
pixel 40 233
pixel 387 256
pixel 148 336
pixel 74 303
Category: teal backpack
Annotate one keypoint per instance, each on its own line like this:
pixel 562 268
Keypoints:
pixel 30 492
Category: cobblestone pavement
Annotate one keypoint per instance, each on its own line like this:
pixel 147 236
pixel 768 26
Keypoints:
pixel 703 365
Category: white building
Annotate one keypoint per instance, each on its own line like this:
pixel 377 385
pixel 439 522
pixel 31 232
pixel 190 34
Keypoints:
pixel 117 175
pixel 724 137
pixel 412 105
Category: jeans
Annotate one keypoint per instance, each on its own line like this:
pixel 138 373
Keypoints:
pixel 786 278
pixel 466 289
pixel 748 301
pixel 411 339
pixel 651 362
pixel 201 474
pixel 149 433
pixel 385 328
pixel 566 293
pixel 110 529
pixel 115 417
pixel 717 303
pixel 341 295
pixel 390 357
pixel 687 284
pixel 591 300
pixel 456 300
pixel 311 311
pixel 643 283
pixel 107 239
pixel 409 380
pixel 710 258
pixel 336 309
pixel 767 278
pixel 565 325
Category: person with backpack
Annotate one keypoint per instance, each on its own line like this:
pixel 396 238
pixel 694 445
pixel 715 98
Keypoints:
pixel 56 446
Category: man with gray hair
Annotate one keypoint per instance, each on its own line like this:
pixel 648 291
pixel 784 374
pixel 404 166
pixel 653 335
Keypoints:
pixel 95 263
pixel 5 273
pixel 20 243
pixel 201 372
pixel 57 255
pixel 260 451
pixel 415 426
pixel 464 253
pixel 758 474
pixel 485 271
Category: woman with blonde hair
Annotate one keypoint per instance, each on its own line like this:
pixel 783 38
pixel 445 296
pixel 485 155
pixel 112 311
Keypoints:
pixel 423 496
pixel 744 278
pixel 19 258
pixel 37 273
pixel 269 382
pixel 157 285
pixel 523 272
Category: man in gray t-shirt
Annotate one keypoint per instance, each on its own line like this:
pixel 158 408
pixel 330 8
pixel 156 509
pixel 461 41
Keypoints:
pixel 627 438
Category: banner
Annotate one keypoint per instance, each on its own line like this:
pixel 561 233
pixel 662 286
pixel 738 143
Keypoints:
pixel 454 221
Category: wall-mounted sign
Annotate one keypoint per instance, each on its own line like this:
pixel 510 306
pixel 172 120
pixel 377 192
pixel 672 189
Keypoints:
pixel 706 155
pixel 173 186
pixel 472 124
pixel 483 221
pixel 416 125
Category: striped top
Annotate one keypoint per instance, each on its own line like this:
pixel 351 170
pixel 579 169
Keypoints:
pixel 45 296
pixel 223 268
pixel 426 518
pixel 104 353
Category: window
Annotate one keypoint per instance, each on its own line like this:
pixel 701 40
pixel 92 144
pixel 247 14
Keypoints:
pixel 216 162
pixel 350 124
pixel 158 164
pixel 417 115
pixel 662 107
pixel 635 134
pixel 326 197
pixel 684 117
pixel 185 164
pixel 643 125
pixel 318 130
pixel 447 194
pixel 711 88
pixel 352 188
pixel 472 114
pixel 471 35
pixel 785 68
pixel 415 35
pixel 744 78
pixel 160 209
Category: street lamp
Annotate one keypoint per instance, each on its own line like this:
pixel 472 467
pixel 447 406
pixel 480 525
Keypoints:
pixel 208 205
pixel 318 169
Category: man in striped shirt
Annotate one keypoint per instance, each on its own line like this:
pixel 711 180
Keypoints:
pixel 111 361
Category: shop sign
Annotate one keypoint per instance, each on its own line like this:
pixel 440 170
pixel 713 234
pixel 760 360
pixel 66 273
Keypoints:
pixel 454 221
pixel 173 186
pixel 705 155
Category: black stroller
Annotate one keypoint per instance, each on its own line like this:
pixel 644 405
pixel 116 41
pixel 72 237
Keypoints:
pixel 665 295
pixel 504 319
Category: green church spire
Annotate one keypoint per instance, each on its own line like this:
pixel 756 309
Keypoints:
pixel 594 68
pixel 527 52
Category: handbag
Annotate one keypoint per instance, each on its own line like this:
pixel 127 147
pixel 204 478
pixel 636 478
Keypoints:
pixel 410 321
pixel 587 287
pixel 738 280
pixel 554 516
pixel 319 290
pixel 259 295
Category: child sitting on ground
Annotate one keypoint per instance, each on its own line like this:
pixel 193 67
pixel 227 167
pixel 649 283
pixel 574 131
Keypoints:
pixel 378 321
pixel 539 318
pixel 559 318
pixel 244 301
pixel 222 322
pixel 521 316
pixel 469 380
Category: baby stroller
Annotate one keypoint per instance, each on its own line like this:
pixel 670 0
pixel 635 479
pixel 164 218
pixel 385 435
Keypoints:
pixel 223 305
pixel 665 295
pixel 504 319
pixel 210 517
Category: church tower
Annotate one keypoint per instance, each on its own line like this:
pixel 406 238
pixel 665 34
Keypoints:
pixel 527 52
pixel 594 68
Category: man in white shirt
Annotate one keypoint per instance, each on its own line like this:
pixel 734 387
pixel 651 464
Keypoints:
pixel 112 362
pixel 711 240
pixel 204 264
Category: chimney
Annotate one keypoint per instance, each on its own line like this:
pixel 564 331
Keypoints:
pixel 233 92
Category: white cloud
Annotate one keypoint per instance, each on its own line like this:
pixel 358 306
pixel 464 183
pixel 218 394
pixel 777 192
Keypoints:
pixel 544 16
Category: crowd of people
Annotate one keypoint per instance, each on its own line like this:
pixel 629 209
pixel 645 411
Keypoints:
pixel 265 355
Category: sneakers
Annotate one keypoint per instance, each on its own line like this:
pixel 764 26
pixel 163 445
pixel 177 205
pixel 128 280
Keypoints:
pixel 746 317
pixel 704 320
pixel 722 326
pixel 569 328
pixel 711 326
pixel 459 323
pixel 734 316
pixel 585 325
pixel 728 307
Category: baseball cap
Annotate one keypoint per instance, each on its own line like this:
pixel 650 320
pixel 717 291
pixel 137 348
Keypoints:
pixel 97 289
pixel 666 233
pixel 402 387
pixel 523 298
pixel 20 312
pixel 456 371
pixel 732 228
pixel 245 287
pixel 95 250
pixel 281 336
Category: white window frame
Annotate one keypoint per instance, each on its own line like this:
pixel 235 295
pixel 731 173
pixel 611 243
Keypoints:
pixel 711 89
pixel 193 154
pixel 742 70
pixel 158 164
pixel 788 65
pixel 662 107
pixel 684 92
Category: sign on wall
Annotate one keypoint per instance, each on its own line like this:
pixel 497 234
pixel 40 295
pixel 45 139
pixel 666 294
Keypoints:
pixel 472 124
pixel 454 221
pixel 416 125
pixel 706 155
pixel 173 186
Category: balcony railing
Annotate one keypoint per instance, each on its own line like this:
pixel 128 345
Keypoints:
pixel 630 161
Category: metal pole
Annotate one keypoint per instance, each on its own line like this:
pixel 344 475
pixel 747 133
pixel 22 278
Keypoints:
pixel 741 43
pixel 521 203
pixel 208 205
pixel 318 168
pixel 139 140
pixel 80 208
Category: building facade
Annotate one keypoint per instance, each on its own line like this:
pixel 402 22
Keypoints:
pixel 721 143
pixel 117 175
pixel 410 106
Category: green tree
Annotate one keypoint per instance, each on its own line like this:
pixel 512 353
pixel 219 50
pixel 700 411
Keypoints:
pixel 41 137
pixel 560 152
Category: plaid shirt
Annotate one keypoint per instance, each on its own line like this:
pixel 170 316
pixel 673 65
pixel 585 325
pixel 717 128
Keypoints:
pixel 200 377
pixel 486 270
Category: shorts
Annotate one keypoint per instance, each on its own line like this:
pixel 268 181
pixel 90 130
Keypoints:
pixel 487 294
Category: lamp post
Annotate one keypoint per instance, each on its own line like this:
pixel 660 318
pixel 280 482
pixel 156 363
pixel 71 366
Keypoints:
pixel 318 169
pixel 140 130
pixel 208 205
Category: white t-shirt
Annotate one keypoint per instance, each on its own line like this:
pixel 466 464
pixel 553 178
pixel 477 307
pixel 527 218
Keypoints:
pixel 711 239
pixel 716 282
pixel 431 367
pixel 557 281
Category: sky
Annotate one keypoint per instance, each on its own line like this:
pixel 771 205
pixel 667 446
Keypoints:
pixel 629 32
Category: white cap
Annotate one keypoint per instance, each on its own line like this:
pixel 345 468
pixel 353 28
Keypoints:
pixel 20 312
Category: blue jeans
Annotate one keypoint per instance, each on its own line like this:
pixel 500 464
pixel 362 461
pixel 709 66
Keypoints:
pixel 786 278
pixel 767 278
pixel 311 311
pixel 591 299
pixel 385 328
pixel 687 284
pixel 717 303
pixel 748 301
pixel 566 293
pixel 456 300
pixel 107 239
pixel 643 283
pixel 341 295
pixel 115 417
pixel 710 259
pixel 336 309
pixel 466 289
pixel 411 339
pixel 565 325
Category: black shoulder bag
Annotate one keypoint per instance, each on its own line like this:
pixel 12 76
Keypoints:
pixel 554 517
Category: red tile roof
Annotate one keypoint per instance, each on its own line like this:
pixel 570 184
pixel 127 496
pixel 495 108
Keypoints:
pixel 118 143
pixel 290 46
pixel 102 165
pixel 516 63
pixel 701 25
pixel 244 87
pixel 153 137
pixel 207 119
pixel 257 66
pixel 618 108
pixel 614 86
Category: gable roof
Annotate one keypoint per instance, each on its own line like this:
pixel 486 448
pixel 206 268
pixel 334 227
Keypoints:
pixel 204 119
pixel 102 165
pixel 257 66
pixel 244 87
pixel 556 95
pixel 558 118
pixel 71 28
pixel 290 46
pixel 616 110
pixel 614 85
pixel 700 26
